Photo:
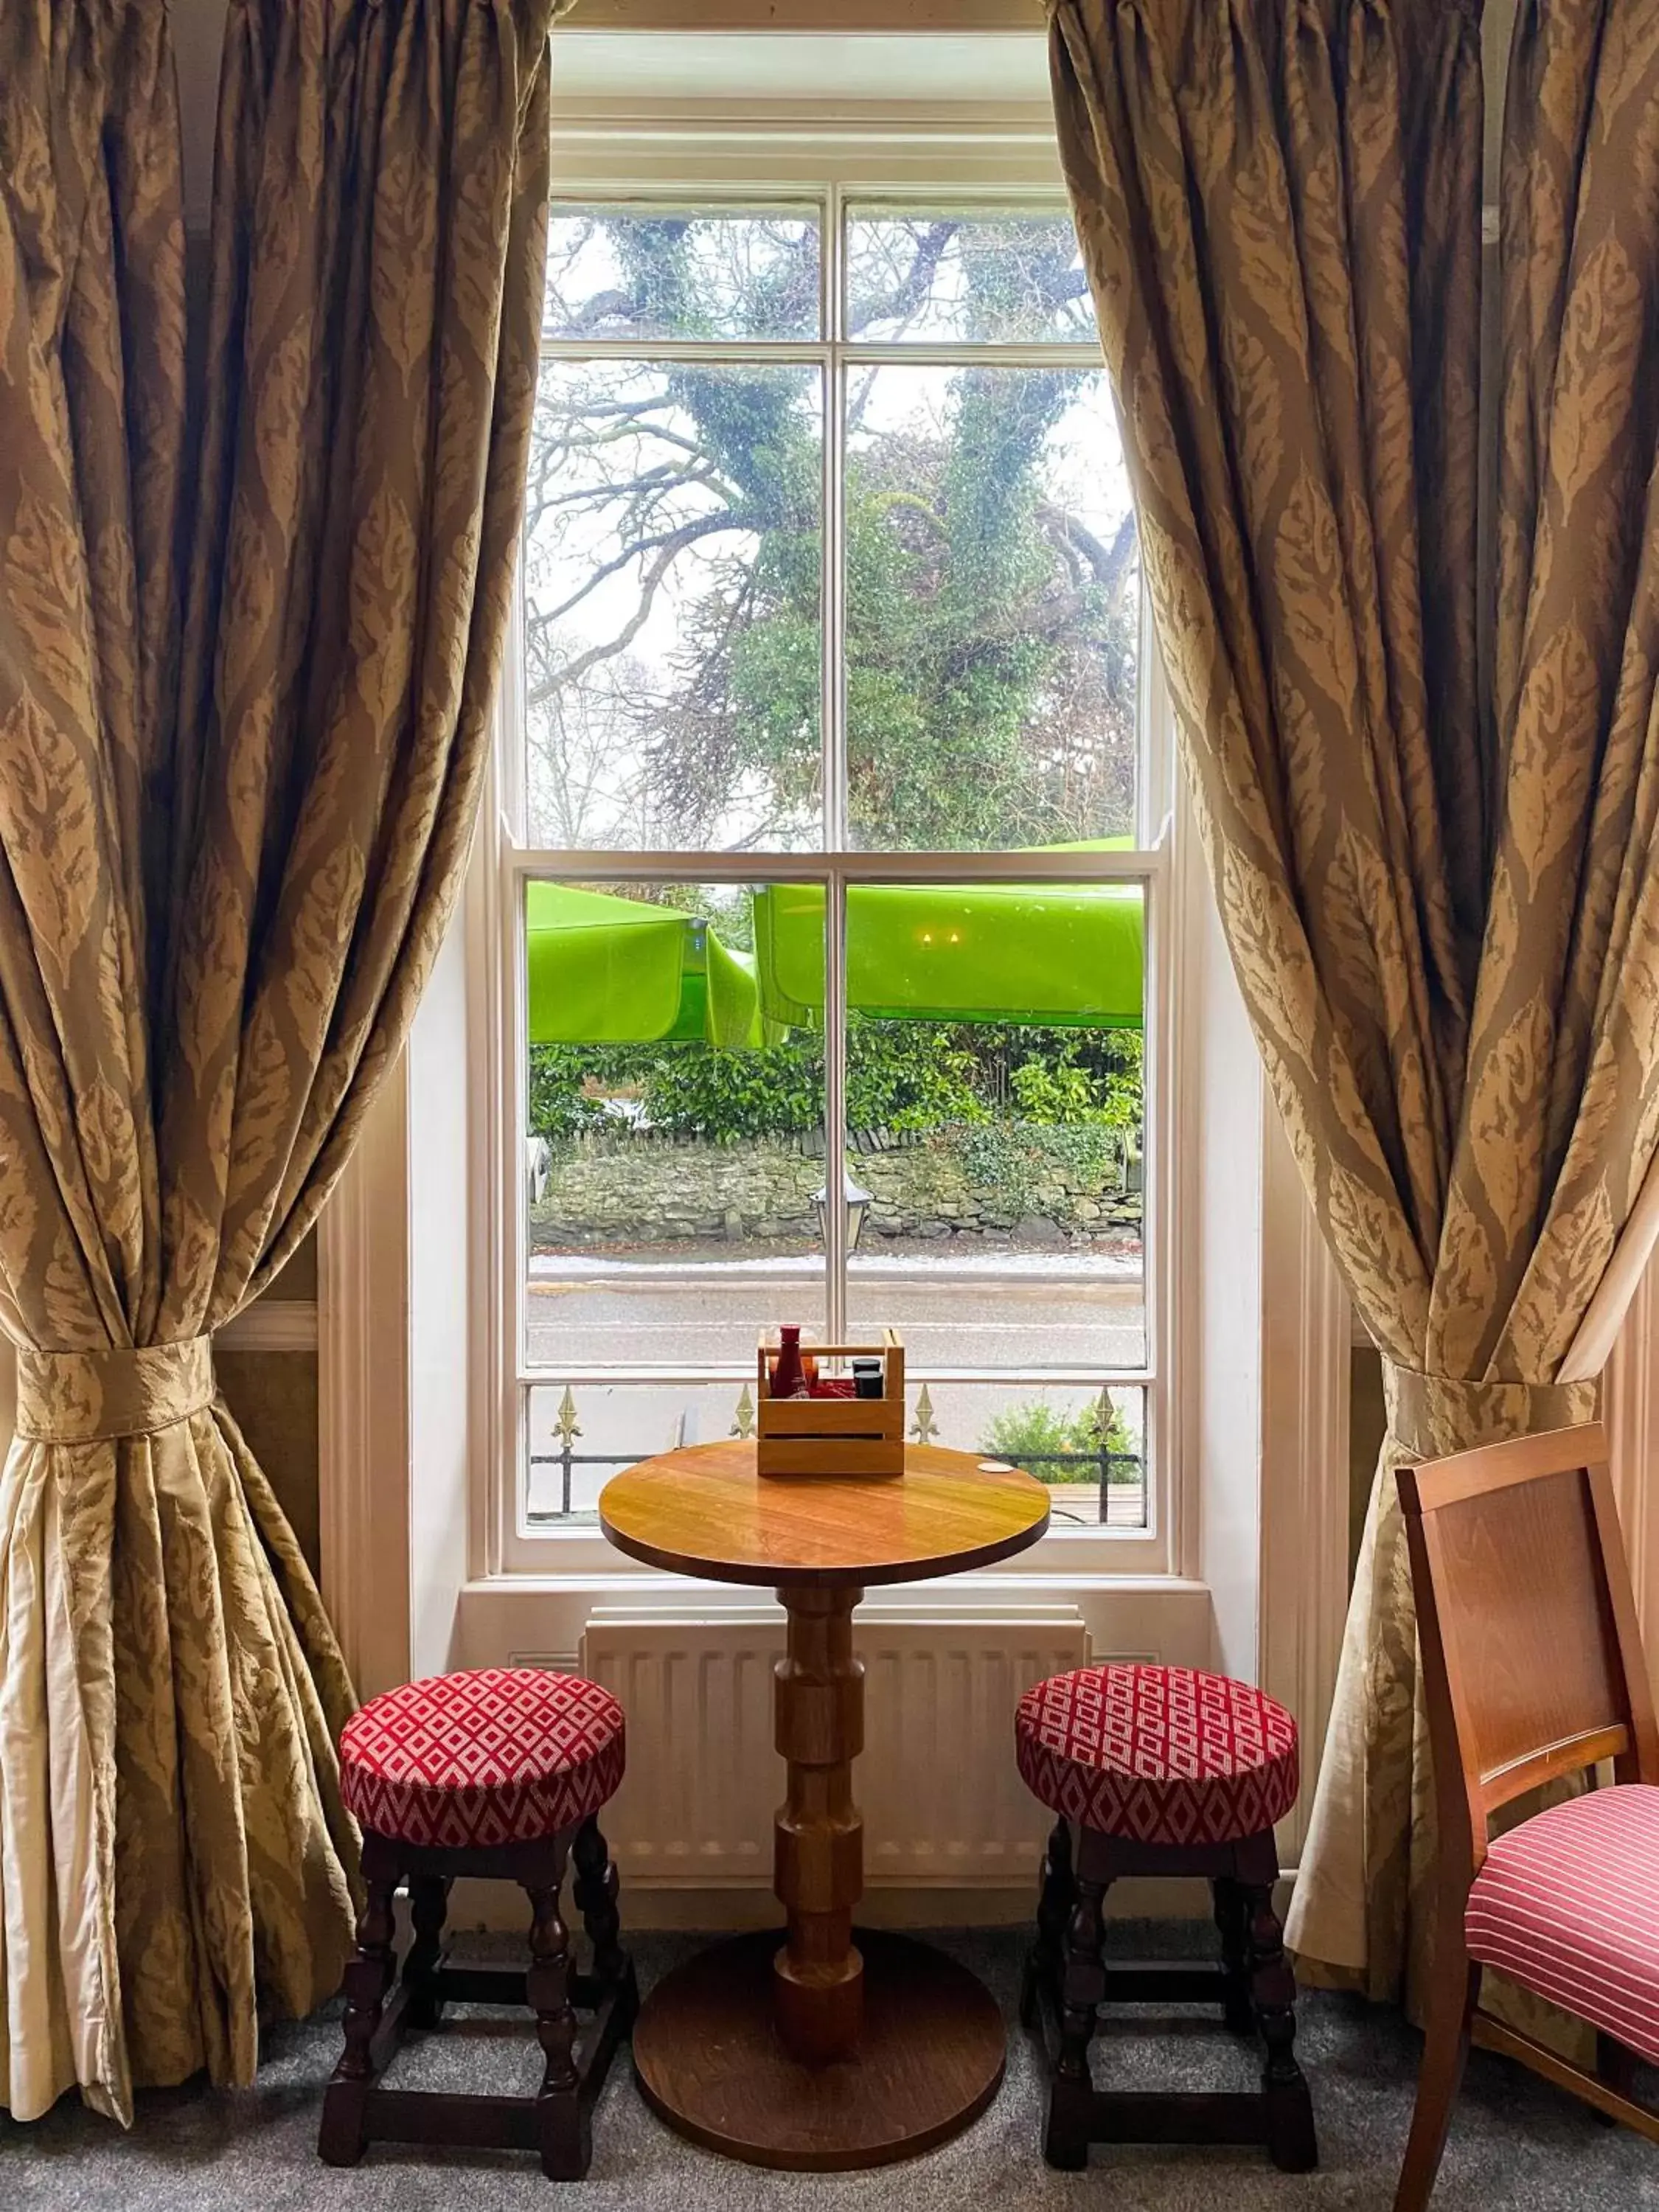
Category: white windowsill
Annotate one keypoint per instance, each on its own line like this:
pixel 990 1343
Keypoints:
pixel 938 1594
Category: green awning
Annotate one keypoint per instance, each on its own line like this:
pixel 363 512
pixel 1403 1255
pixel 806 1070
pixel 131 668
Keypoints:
pixel 608 970
pixel 1059 954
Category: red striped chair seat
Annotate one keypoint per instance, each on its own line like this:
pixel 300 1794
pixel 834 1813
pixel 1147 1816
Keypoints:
pixel 1567 1905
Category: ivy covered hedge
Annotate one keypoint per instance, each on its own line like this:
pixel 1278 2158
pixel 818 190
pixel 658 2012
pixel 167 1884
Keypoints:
pixel 901 1077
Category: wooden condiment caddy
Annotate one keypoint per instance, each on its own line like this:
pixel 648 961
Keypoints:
pixel 833 1435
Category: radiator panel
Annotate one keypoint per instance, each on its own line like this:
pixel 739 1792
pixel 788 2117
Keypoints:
pixel 942 1805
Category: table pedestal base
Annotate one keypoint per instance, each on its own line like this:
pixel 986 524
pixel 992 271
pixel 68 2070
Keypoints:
pixel 709 2060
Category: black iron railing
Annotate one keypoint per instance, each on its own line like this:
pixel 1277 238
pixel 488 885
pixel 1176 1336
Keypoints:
pixel 1109 1471
pixel 567 1462
pixel 1099 1468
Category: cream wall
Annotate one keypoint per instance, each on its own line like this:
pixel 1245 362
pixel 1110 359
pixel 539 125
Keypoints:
pixel 441 1386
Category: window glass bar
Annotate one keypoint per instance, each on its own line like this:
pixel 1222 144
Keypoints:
pixel 686 1375
pixel 1146 864
pixel 832 580
pixel 717 352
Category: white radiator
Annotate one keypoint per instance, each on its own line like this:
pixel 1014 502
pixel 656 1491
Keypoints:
pixel 942 1802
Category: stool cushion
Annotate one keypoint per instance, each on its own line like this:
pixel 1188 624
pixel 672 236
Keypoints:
pixel 1160 1754
pixel 497 1755
pixel 1567 1905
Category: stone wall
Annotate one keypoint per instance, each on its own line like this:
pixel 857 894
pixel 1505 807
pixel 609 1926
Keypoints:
pixel 650 1191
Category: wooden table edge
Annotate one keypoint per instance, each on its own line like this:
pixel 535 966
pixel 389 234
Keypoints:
pixel 868 1576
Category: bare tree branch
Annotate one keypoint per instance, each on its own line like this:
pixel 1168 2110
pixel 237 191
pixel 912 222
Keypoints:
pixel 910 293
pixel 650 583
pixel 673 541
pixel 1110 563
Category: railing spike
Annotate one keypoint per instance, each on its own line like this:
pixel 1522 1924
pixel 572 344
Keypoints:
pixel 925 1428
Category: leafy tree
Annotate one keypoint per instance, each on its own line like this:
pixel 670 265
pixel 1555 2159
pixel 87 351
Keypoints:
pixel 991 635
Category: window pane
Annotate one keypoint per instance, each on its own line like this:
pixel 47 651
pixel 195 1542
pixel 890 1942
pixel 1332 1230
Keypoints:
pixel 670 587
pixel 1087 1446
pixel 993 609
pixel 675 1136
pixel 934 277
pixel 680 273
pixel 582 1434
pixel 995 1122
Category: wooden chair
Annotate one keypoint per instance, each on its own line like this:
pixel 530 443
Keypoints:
pixel 1534 1671
pixel 499 1772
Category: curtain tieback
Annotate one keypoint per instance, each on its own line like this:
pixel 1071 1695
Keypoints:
pixel 89 1397
pixel 1429 1415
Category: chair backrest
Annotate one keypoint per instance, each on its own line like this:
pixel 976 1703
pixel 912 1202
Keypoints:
pixel 1532 1660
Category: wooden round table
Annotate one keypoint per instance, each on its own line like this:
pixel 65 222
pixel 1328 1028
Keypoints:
pixel 823 2053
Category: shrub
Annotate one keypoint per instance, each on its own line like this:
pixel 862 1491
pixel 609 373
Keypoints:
pixel 1078 1077
pixel 559 1107
pixel 1020 1433
pixel 1018 1159
pixel 772 1091
pixel 909 1075
pixel 1076 1093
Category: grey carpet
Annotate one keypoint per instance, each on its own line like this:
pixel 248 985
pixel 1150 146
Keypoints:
pixel 1516 2142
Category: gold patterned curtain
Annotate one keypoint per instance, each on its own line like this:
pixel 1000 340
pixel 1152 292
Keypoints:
pixel 237 790
pixel 1444 914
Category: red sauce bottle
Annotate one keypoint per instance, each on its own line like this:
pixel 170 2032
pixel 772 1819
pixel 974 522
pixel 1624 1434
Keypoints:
pixel 789 1376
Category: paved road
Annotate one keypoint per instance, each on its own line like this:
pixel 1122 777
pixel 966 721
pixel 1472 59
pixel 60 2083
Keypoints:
pixel 1040 1315
pixel 1015 1318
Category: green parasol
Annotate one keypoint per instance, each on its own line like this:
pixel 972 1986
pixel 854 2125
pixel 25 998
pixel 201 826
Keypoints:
pixel 610 970
pixel 1060 954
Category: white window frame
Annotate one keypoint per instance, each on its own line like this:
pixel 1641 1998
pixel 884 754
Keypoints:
pixel 808 157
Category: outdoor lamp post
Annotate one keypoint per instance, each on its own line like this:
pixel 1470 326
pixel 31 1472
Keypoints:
pixel 854 1198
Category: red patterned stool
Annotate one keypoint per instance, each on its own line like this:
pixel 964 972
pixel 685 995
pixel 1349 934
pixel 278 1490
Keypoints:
pixel 1161 1771
pixel 499 1772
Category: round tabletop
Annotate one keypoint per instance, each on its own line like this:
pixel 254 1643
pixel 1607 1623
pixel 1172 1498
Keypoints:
pixel 704 1510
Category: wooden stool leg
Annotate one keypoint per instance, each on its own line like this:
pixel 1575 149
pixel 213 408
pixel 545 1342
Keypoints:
pixel 596 1889
pixel 1291 2141
pixel 1081 1991
pixel 341 2138
pixel 428 1903
pixel 1056 1894
pixel 1232 1918
pixel 565 2145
